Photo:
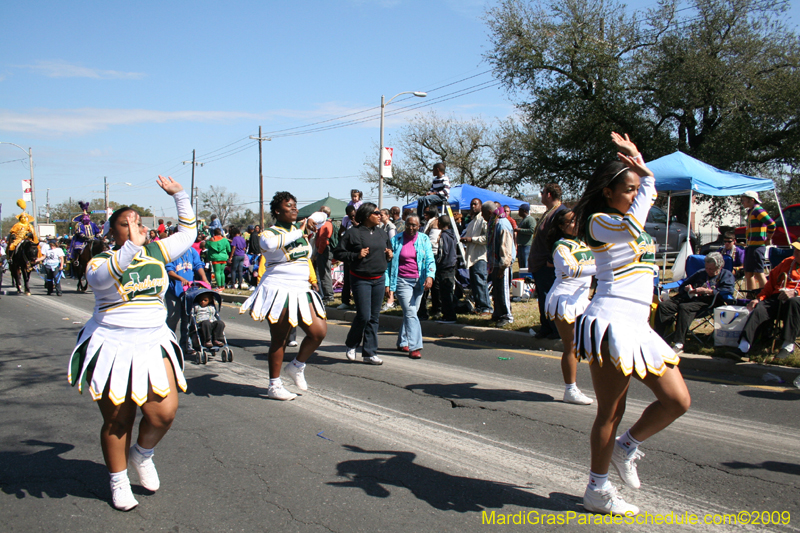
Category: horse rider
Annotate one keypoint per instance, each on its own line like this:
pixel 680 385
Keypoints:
pixel 85 232
pixel 22 230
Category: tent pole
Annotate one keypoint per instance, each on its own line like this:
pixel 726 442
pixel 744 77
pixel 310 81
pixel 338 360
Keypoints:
pixel 666 244
pixel 689 222
pixel 783 220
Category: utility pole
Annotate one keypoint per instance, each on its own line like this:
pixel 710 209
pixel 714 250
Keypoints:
pixel 194 164
pixel 105 194
pixel 48 205
pixel 196 201
pixel 260 177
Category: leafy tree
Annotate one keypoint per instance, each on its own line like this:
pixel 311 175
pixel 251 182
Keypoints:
pixel 220 202
pixel 475 152
pixel 719 82
pixel 244 219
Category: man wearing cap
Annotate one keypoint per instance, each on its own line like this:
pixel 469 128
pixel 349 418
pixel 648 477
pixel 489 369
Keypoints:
pixel 53 260
pixel 780 298
pixel 760 228
pixel 524 234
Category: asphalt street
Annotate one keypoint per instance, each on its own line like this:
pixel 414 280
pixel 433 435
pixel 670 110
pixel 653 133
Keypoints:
pixel 471 433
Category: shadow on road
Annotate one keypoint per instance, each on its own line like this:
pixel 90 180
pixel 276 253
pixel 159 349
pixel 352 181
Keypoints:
pixel 469 391
pixel 45 473
pixel 787 396
pixel 438 489
pixel 772 466
pixel 206 386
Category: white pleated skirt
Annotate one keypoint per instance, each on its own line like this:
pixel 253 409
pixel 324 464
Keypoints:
pixel 566 306
pixel 270 299
pixel 115 356
pixel 632 343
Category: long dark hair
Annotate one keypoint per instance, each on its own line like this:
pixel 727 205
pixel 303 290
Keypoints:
pixel 607 175
pixel 554 232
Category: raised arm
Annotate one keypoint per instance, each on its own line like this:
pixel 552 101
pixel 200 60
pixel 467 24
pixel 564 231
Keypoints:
pixel 176 244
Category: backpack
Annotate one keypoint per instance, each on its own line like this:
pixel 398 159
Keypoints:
pixel 333 242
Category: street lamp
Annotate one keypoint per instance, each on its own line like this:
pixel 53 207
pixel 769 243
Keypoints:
pixel 33 189
pixel 105 192
pixel 419 94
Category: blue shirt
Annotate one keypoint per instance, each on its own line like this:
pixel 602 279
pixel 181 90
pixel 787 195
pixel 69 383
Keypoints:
pixel 185 266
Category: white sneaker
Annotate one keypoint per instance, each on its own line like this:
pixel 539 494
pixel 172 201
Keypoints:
pixel 577 397
pixel 279 392
pixel 373 360
pixel 144 467
pixel 122 495
pixel 292 344
pixel 607 501
pixel 626 465
pixel 351 354
pixel 297 375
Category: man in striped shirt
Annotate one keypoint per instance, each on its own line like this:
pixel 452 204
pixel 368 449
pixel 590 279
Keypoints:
pixel 439 192
pixel 760 228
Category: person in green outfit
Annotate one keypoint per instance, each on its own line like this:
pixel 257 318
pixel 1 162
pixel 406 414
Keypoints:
pixel 218 250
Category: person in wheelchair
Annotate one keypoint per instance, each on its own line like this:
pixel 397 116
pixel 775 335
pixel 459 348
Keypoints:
pixel 703 290
pixel 778 299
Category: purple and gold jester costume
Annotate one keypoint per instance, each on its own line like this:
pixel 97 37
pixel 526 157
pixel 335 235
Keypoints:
pixel 86 231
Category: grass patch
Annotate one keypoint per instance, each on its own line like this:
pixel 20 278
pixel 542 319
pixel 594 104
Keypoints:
pixel 526 315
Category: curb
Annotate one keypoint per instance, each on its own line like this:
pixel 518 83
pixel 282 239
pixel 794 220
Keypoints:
pixel 430 328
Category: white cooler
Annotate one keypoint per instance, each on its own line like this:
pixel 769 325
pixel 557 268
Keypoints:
pixel 729 321
pixel 518 287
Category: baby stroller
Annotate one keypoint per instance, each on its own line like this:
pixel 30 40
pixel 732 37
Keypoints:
pixel 204 353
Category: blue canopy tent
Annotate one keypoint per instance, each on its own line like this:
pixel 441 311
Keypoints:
pixel 678 172
pixel 462 195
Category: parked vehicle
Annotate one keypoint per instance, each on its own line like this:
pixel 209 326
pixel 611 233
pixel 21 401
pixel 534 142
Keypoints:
pixel 791 214
pixel 656 226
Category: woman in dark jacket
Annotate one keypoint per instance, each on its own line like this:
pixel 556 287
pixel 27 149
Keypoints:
pixel 367 249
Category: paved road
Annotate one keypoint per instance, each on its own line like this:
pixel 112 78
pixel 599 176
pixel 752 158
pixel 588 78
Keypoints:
pixel 437 444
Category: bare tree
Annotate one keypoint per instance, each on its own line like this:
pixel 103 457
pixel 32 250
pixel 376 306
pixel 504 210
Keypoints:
pixel 220 202
pixel 475 152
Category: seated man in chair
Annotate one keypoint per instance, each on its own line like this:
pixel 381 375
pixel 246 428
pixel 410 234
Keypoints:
pixel 778 299
pixel 707 288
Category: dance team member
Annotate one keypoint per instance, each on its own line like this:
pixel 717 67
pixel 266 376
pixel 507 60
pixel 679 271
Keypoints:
pixel 614 333
pixel 569 295
pixel 286 289
pixel 125 353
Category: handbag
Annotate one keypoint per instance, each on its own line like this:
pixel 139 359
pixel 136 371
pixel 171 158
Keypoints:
pixel 246 262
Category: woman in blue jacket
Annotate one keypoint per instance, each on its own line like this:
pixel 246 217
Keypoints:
pixel 411 272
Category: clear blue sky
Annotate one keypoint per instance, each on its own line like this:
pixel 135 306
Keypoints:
pixel 127 90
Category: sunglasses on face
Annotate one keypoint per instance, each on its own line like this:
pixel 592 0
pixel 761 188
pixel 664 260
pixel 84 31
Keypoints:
pixel 727 240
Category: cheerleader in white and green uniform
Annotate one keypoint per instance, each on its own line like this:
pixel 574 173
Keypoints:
pixel 614 333
pixel 126 355
pixel 569 295
pixel 287 295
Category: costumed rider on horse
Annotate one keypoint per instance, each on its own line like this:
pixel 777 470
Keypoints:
pixel 85 232
pixel 22 230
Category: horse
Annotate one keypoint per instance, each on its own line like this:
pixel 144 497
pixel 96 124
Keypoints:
pixel 21 264
pixel 91 249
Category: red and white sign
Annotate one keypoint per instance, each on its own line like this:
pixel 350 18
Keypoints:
pixel 386 162
pixel 26 190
